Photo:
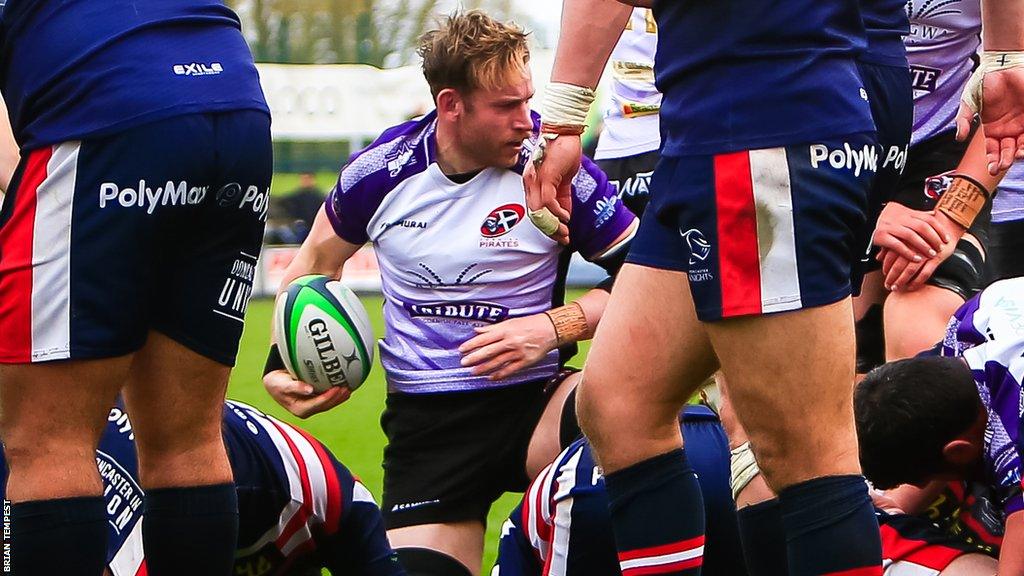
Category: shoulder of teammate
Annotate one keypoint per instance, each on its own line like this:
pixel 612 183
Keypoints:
pixel 370 174
pixel 990 328
pixel 516 554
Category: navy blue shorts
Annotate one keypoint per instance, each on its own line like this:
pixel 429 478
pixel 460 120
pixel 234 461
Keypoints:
pixel 154 228
pixel 761 231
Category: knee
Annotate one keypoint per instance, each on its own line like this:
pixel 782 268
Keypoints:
pixel 610 420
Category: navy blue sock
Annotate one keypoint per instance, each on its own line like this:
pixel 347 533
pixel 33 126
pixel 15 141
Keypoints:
pixel 191 530
pixel 657 516
pixel 65 536
pixel 764 538
pixel 831 528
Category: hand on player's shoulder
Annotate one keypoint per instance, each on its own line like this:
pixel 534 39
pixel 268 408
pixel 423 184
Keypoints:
pixel 300 398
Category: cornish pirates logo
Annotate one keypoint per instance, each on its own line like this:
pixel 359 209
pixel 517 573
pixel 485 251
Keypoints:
pixel 501 220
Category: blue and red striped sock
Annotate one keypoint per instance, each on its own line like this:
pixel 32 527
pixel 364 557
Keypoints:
pixel 831 529
pixel 658 517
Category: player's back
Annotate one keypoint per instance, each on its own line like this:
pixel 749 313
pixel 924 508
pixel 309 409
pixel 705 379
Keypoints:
pixel 885 24
pixel 742 74
pixel 76 68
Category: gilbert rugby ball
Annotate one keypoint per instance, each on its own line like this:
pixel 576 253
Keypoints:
pixel 323 333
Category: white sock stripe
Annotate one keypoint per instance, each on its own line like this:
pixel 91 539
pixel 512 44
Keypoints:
pixel 663 559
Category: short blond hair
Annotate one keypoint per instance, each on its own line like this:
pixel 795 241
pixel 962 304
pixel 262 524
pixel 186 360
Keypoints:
pixel 472 50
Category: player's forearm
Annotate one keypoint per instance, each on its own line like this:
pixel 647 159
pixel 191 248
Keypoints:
pixel 1011 555
pixel 974 162
pixel 1003 24
pixel 590 29
pixel 592 303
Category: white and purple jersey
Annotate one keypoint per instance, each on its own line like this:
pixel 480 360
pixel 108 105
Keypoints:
pixel 942 48
pixel 1008 204
pixel 299 509
pixel 631 119
pixel 455 256
pixel 988 332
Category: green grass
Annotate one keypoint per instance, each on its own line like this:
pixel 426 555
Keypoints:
pixel 285 182
pixel 352 430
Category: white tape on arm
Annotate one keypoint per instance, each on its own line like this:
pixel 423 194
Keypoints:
pixel 566 104
pixel 991 61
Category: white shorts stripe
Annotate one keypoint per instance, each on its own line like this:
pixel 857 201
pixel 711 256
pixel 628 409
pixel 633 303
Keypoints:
pixel 780 278
pixel 663 559
pixel 51 256
pixel 128 558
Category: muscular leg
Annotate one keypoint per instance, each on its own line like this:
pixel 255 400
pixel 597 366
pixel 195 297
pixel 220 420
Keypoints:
pixel 915 321
pixel 545 443
pixel 461 541
pixel 649 356
pixel 175 399
pixel 51 419
pixel 797 409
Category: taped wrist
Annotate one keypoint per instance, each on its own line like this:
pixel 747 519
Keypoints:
pixel 566 106
pixel 742 468
pixel 274 360
pixel 570 323
pixel 991 61
pixel 963 200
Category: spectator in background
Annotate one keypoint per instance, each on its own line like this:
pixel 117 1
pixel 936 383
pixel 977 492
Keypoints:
pixel 291 216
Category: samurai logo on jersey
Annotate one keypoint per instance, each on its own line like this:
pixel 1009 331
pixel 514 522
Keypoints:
pixel 480 311
pixel 604 210
pixel 170 194
pixel 501 220
pixel 638 185
pixel 846 157
pixel 401 157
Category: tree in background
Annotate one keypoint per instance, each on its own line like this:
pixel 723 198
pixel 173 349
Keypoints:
pixel 380 33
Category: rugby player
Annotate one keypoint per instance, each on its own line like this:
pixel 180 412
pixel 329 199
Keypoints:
pixel 300 509
pixel 474 314
pixel 956 416
pixel 752 236
pixel 128 238
pixel 562 526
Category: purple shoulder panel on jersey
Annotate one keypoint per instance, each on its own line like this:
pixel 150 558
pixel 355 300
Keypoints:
pixel 599 217
pixel 397 154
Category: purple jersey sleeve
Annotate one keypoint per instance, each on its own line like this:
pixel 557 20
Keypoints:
pixel 599 217
pixel 370 174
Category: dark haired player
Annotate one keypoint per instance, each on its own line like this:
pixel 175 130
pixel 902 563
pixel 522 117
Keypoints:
pixel 956 416
pixel 127 239
pixel 299 509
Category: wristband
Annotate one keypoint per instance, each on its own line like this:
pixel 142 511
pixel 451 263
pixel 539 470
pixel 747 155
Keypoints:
pixel 274 360
pixel 566 104
pixel 742 468
pixel 963 200
pixel 570 323
pixel 562 130
pixel 991 61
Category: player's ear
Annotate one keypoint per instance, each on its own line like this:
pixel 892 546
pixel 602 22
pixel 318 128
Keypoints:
pixel 962 452
pixel 449 104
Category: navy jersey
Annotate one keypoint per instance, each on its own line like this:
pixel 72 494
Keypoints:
pixel 76 68
pixel 562 526
pixel 299 509
pixel 741 75
pixel 886 23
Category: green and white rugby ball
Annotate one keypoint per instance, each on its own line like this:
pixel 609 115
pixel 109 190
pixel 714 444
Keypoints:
pixel 323 333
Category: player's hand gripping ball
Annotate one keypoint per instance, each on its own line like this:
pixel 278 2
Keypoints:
pixel 323 333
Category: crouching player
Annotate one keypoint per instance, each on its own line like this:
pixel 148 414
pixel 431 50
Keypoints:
pixel 299 509
pixel 956 417
pixel 563 527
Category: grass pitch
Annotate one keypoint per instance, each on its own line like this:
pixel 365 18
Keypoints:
pixel 352 430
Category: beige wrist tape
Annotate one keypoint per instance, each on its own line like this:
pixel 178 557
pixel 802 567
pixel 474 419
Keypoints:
pixel 566 104
pixel 742 468
pixel 963 200
pixel 570 323
pixel 991 61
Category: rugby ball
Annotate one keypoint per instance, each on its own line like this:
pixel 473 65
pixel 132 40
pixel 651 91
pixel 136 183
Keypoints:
pixel 323 333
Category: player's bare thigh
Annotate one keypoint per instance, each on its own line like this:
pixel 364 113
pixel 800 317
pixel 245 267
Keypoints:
pixel 972 565
pixel 650 354
pixel 791 382
pixel 175 398
pixel 545 442
pixel 51 418
pixel 463 541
